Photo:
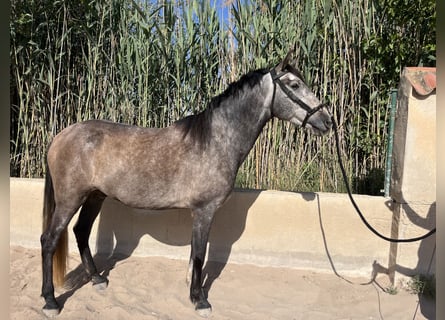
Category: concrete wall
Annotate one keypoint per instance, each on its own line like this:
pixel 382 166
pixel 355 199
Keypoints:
pixel 318 231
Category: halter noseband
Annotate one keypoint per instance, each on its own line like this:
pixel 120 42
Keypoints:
pixel 309 111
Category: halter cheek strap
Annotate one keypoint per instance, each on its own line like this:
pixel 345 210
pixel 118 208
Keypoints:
pixel 309 111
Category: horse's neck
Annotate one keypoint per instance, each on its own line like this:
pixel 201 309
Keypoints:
pixel 237 124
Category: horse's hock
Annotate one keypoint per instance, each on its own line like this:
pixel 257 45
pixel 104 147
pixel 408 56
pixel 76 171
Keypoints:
pixel 318 231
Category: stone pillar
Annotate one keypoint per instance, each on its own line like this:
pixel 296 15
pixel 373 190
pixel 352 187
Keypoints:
pixel 413 175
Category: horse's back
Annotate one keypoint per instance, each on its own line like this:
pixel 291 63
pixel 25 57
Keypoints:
pixel 89 151
pixel 86 140
pixel 142 167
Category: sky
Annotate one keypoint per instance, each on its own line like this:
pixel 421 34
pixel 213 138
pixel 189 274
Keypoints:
pixel 222 7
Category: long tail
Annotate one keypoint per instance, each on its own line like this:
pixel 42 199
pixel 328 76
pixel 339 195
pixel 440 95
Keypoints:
pixel 60 255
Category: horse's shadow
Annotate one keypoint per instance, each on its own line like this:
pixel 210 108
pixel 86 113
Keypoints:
pixel 426 255
pixel 120 229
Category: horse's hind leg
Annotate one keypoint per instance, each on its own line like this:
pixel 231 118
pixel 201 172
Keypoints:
pixel 82 231
pixel 49 241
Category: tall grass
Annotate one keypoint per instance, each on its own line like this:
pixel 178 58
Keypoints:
pixel 149 63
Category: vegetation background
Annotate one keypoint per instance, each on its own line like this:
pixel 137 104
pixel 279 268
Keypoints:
pixel 150 63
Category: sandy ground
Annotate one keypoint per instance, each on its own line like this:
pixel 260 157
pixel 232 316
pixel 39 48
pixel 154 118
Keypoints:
pixel 154 288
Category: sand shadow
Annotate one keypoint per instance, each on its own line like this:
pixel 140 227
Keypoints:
pixel 426 254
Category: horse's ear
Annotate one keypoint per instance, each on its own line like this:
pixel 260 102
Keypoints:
pixel 283 64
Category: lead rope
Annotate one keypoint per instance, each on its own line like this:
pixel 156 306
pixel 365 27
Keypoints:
pixel 343 172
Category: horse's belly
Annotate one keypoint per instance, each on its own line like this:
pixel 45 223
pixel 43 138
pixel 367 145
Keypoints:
pixel 149 196
pixel 165 194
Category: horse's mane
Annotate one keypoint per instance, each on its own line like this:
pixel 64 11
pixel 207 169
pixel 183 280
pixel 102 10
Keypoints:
pixel 197 126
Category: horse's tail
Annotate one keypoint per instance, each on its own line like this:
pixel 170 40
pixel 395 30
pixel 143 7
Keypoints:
pixel 60 255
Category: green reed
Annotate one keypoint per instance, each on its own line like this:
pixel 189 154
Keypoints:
pixel 149 63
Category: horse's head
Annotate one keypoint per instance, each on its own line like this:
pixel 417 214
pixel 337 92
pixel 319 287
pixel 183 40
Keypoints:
pixel 293 100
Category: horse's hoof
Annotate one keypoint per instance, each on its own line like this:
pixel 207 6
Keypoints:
pixel 205 313
pixel 204 309
pixel 99 283
pixel 51 313
pixel 100 286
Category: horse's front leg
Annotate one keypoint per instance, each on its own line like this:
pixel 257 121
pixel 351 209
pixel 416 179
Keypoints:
pixel 188 278
pixel 202 220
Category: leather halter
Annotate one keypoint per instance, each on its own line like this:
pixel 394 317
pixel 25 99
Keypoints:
pixel 309 111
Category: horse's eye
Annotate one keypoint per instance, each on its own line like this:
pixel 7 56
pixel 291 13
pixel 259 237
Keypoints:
pixel 294 85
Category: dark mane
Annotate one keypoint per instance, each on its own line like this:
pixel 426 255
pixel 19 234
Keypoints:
pixel 251 79
pixel 197 126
